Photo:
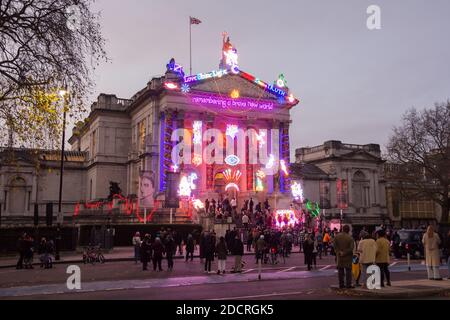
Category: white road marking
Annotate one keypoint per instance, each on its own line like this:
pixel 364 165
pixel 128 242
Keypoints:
pixel 247 271
pixel 261 296
pixel 287 270
pixel 393 264
pixel 325 268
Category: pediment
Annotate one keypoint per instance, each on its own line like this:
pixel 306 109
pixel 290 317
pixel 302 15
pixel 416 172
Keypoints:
pixel 360 155
pixel 228 83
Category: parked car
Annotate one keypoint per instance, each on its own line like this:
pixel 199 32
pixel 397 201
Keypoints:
pixel 409 241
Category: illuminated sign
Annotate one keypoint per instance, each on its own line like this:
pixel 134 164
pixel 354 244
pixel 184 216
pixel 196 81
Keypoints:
pixel 259 185
pixel 232 160
pixel 205 76
pixel 244 104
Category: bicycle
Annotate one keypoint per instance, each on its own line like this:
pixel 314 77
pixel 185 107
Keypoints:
pixel 93 255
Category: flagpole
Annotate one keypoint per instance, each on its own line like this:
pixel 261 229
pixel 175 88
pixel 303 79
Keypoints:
pixel 190 46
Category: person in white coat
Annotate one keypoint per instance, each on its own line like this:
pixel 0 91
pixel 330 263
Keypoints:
pixel 431 242
pixel 367 249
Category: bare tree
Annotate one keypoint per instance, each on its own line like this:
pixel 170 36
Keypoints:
pixel 45 45
pixel 421 149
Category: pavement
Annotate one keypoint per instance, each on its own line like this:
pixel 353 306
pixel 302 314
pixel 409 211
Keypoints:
pixel 406 289
pixel 118 254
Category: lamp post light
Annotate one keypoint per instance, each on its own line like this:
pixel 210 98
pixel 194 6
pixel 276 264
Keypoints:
pixel 63 94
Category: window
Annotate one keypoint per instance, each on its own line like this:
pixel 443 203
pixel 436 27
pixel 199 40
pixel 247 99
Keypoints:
pixel 325 195
pixel 94 141
pixel 341 193
pixel 141 135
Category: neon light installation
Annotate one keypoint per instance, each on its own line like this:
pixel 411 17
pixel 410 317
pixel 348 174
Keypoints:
pixel 197 127
pixel 232 130
pixel 284 168
pixel 261 138
pixel 260 174
pixel 232 175
pixel 259 185
pixel 232 160
pixel 314 211
pixel 235 94
pixel 297 191
pixel 175 168
pixel 185 88
pixel 241 103
pixel 171 85
pixel 205 76
pixel 198 204
pixel 271 162
pixel 232 185
pixel 285 218
pixel 197 160
pixel 281 81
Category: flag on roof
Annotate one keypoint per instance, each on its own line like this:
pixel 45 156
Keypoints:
pixel 195 20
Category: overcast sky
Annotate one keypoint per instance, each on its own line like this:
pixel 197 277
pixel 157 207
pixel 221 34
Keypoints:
pixel 354 84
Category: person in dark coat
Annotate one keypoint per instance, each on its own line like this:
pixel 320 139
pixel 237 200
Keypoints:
pixel 190 246
pixel 344 247
pixel 158 252
pixel 28 252
pixel 209 252
pixel 146 251
pixel 202 246
pixel 238 252
pixel 21 250
pixel 308 248
pixel 170 249
pixel 222 252
pixel 251 204
pixel 178 241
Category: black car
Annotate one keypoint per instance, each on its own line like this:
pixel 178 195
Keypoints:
pixel 408 241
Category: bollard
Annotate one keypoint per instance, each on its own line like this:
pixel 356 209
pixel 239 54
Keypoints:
pixel 259 268
pixel 409 261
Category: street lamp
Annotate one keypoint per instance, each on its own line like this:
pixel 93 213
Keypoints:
pixel 63 93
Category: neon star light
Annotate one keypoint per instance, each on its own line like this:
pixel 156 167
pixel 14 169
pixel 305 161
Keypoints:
pixel 284 168
pixel 297 191
pixel 232 160
pixel 185 88
pixel 232 130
